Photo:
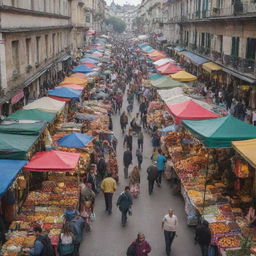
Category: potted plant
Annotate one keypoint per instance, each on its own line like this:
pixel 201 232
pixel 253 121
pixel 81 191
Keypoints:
pixel 28 68
pixel 216 10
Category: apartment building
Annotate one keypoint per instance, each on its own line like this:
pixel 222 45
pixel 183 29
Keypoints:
pixel 37 40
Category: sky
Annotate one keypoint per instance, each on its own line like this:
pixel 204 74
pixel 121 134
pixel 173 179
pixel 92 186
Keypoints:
pixel 122 2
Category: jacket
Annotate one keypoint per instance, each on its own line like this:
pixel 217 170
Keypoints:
pixel 42 246
pixel 127 158
pixel 124 201
pixel 203 235
pixel 139 156
pixel 142 249
pixel 152 172
pixel 102 166
pixel 128 140
pixel 77 225
pixel 108 185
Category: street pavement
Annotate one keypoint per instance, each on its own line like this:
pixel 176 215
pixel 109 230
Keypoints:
pixel 109 238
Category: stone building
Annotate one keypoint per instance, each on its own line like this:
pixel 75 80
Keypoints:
pixel 37 40
pixel 222 31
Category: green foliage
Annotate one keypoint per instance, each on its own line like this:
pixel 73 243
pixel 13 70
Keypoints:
pixel 118 24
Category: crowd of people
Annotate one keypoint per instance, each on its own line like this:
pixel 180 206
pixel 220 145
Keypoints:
pixel 128 70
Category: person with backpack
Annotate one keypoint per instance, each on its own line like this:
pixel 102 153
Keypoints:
pixel 124 203
pixel 140 247
pixel 42 245
pixel 66 244
pixel 76 224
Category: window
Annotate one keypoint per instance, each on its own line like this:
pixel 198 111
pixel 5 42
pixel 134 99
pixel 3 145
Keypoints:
pixel 15 56
pixel 235 47
pixel 45 6
pixel 195 38
pixel 54 6
pixel 28 51
pixel 46 46
pixel 32 4
pixel 203 39
pixel 88 18
pixel 208 40
pixel 251 48
pixel 38 49
pixel 53 44
pixel 221 43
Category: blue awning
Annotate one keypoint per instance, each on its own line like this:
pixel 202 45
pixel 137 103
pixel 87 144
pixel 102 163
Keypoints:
pixel 65 93
pixel 179 49
pixel 9 170
pixel 74 140
pixel 82 69
pixel 197 60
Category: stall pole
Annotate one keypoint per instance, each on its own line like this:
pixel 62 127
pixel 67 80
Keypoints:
pixel 206 177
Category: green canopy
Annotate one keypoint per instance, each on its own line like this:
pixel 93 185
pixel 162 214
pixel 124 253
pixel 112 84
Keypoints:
pixel 33 114
pixel 23 128
pixel 166 82
pixel 220 132
pixel 155 76
pixel 14 146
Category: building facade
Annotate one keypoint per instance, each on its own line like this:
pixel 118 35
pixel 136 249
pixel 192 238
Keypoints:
pixel 37 40
pixel 221 31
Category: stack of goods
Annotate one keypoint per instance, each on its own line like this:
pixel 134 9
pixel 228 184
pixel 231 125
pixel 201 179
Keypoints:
pixel 69 127
pixel 44 208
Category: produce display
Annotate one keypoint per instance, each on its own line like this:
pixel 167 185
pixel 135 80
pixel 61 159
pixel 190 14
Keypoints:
pixel 219 228
pixel 229 242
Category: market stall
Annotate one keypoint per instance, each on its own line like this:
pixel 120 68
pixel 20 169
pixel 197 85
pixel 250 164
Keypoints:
pixel 166 82
pixel 183 76
pixel 168 68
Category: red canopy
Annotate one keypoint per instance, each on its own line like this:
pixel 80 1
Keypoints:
pixel 53 161
pixel 89 65
pixel 157 58
pixel 59 98
pixel 168 68
pixel 189 110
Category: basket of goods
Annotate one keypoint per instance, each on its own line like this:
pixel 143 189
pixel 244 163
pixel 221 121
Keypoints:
pixel 219 228
pixel 48 186
pixel 229 242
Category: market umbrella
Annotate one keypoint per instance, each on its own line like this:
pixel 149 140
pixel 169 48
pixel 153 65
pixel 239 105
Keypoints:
pixel 166 82
pixel 88 64
pixel 86 117
pixel 246 149
pixel 220 132
pixel 33 114
pixel 189 110
pixel 163 61
pixel 74 80
pixel 97 54
pixel 73 86
pixel 156 58
pixel 183 76
pixel 168 68
pixel 53 161
pixel 92 57
pixel 65 93
pixel 155 76
pixel 81 75
pixel 90 60
pixel 82 69
pixel 74 140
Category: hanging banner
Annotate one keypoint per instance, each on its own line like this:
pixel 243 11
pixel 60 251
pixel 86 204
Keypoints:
pixel 19 95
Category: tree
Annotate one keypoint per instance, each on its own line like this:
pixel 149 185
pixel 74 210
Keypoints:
pixel 118 24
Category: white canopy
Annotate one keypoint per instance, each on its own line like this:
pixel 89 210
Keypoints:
pixel 46 104
pixel 170 93
pixel 163 61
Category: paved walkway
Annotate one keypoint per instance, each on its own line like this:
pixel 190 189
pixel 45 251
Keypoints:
pixel 109 238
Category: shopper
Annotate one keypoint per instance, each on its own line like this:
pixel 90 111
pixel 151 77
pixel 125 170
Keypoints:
pixel 87 194
pixel 102 167
pixel 203 237
pixel 139 158
pixel 91 179
pixel 140 140
pixel 134 181
pixel 42 245
pixel 127 160
pixel 76 224
pixel 66 244
pixel 169 225
pixel 123 121
pixel 140 247
pixel 124 203
pixel 152 176
pixel 161 159
pixel 128 140
pixel 108 187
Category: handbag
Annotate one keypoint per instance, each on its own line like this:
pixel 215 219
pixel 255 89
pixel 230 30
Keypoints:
pixel 131 251
pixel 66 249
pixel 93 216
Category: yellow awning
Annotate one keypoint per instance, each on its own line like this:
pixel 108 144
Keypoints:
pixel 183 76
pixel 247 149
pixel 210 67
pixel 74 80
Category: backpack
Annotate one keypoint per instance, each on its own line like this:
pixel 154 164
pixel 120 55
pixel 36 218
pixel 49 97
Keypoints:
pixel 131 251
pixel 47 245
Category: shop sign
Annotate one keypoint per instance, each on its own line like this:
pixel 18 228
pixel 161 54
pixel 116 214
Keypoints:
pixel 19 95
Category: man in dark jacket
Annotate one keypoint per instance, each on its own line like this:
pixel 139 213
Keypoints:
pixel 124 203
pixel 101 167
pixel 142 109
pixel 127 160
pixel 128 140
pixel 203 237
pixel 152 176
